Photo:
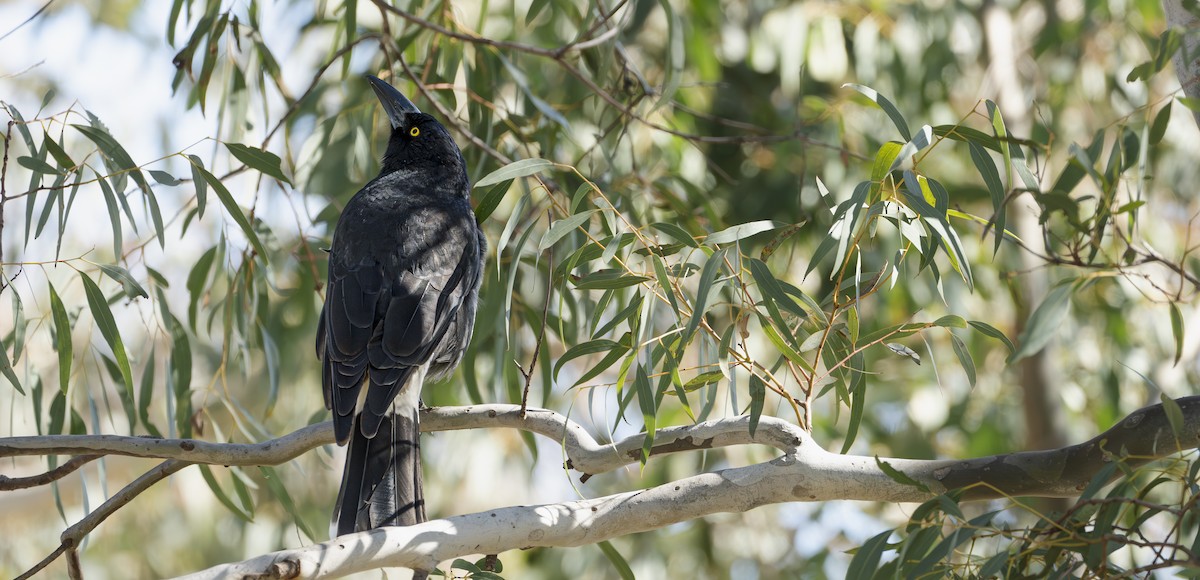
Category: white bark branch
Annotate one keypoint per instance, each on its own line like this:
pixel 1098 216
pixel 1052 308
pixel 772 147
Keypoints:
pixel 805 472
pixel 584 452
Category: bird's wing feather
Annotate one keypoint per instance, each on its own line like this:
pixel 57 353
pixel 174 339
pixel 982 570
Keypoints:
pixel 423 304
pixel 347 323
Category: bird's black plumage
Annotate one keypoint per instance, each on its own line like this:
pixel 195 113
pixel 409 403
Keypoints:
pixel 404 274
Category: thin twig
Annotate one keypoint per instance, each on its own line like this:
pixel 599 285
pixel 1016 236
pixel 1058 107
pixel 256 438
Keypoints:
pixel 45 562
pixel 295 104
pixel 559 58
pixel 74 534
pixel 3 191
pixel 28 20
pixel 537 348
pixel 74 571
pixel 10 483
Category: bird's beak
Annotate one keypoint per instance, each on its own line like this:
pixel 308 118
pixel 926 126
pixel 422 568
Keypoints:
pixel 394 102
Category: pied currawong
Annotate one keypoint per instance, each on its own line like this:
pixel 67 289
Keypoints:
pixel 404 274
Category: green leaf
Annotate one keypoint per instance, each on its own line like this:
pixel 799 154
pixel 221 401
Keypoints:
pixel 771 288
pixel 885 160
pixel 1045 321
pixel 563 227
pixel 618 561
pixel 164 178
pixel 19 324
pixel 634 307
pixel 114 218
pixel 6 369
pixel 1174 414
pixel 277 488
pixel 1192 103
pixel 987 170
pixel 264 161
pixel 609 280
pixel 234 211
pixel 196 282
pixel 271 354
pixel 206 472
pixel 584 349
pixel 108 329
pixel 474 570
pixel 922 139
pixel 514 170
pixel 350 26
pixel 700 305
pixel 114 154
pixel 899 476
pixel 967 135
pixel 1168 44
pixel 62 334
pixel 858 399
pixel 1177 330
pixel 676 54
pixel 1158 128
pixel 676 232
pixel 950 321
pixel 605 363
pixel 904 351
pixel 1100 480
pixel 917 192
pixel 740 231
pixel 964 357
pixel 491 200
pixel 703 380
pixel 146 395
pixel 784 348
pixel 646 400
pixel 664 282
pixel 892 112
pixel 758 397
pixel 778 239
pixel 121 275
pixel 37 165
pixel 1140 72
pixel 989 330
pixel 239 480
pixel 535 8
pixel 866 558
pixel 59 155
pixel 199 182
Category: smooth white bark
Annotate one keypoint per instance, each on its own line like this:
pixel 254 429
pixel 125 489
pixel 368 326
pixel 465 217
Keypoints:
pixel 804 472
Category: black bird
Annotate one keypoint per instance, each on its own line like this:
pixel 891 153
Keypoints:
pixel 404 274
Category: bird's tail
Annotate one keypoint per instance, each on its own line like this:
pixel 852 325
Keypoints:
pixel 381 485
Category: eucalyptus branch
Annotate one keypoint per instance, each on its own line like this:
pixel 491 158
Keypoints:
pixel 806 473
pixel 73 536
pixel 1143 436
pixel 10 483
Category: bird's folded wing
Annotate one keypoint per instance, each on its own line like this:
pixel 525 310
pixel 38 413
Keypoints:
pixel 382 328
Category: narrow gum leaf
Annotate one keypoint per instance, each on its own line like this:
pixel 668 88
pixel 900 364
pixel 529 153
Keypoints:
pixel 234 210
pixel 521 168
pixel 62 331
pixel 264 161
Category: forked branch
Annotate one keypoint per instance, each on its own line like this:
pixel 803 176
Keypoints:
pixel 804 472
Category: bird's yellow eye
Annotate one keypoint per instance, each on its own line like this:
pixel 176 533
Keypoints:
pixel 414 131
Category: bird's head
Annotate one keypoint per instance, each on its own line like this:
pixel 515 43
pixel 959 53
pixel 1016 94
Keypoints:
pixel 418 140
